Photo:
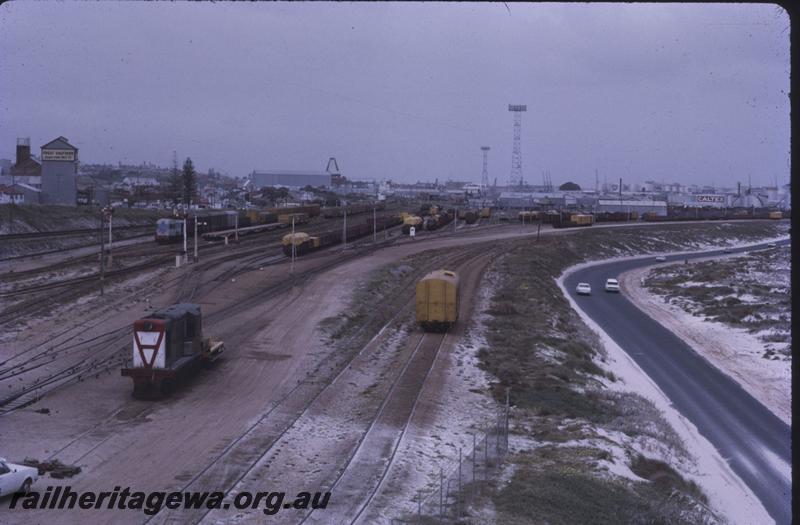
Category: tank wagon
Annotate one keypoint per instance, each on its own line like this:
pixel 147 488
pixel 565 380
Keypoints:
pixel 168 346
pixel 304 243
pixel 171 230
pixel 437 300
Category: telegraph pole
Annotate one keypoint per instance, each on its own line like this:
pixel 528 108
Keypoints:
pixel 110 211
pixel 374 225
pixel 293 246
pixel 344 228
pixel 195 237
pixel 102 252
pixel 185 233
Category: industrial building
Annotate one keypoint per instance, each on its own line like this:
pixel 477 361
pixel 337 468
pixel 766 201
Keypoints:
pixel 639 206
pixel 288 179
pixel 59 172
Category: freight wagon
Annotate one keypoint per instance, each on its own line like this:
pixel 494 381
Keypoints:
pixel 257 217
pixel 168 346
pixel 528 216
pixel 471 217
pixel 408 222
pixel 434 222
pixel 437 300
pixel 304 243
pixel 352 209
pixel 299 218
pixel 311 209
pixel 485 213
pixel 570 219
pixel 171 230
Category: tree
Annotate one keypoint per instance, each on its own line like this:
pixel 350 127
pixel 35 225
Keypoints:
pixel 569 186
pixel 174 187
pixel 189 180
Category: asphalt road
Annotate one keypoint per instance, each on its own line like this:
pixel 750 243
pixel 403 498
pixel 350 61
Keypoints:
pixel 740 427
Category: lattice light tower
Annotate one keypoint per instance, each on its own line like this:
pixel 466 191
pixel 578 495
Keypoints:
pixel 516 153
pixel 485 174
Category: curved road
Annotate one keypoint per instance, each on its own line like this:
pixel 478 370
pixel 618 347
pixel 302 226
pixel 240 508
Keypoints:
pixel 742 429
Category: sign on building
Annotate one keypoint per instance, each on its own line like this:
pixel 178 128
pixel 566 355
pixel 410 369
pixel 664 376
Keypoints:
pixel 58 155
pixel 709 198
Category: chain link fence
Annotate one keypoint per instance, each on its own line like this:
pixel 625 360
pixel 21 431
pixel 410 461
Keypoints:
pixel 465 479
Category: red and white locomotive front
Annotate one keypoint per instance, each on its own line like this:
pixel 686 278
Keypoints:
pixel 149 343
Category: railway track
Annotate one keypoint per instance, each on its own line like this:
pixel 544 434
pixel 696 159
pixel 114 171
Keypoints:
pixel 259 440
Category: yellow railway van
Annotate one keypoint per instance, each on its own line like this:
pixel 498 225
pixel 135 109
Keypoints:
pixel 437 300
pixel 775 215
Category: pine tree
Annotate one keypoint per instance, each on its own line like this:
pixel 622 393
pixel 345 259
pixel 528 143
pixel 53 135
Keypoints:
pixel 189 182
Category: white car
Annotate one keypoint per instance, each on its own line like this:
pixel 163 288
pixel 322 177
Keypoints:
pixel 583 289
pixel 661 258
pixel 772 245
pixel 16 478
pixel 612 285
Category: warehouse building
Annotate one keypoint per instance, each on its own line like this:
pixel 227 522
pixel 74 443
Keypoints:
pixel 288 179
pixel 639 206
pixel 59 173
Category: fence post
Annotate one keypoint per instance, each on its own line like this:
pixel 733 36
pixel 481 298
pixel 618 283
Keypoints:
pixel 458 500
pixel 441 492
pixel 486 456
pixel 419 507
pixel 474 452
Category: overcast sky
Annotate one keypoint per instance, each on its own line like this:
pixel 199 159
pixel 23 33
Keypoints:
pixel 407 91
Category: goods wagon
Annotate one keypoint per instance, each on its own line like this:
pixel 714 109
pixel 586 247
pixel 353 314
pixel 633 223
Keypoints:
pixel 257 217
pixel 528 216
pixel 471 217
pixel 168 346
pixel 485 213
pixel 434 222
pixel 352 209
pixel 311 209
pixel 299 218
pixel 305 243
pixel 171 230
pixel 411 220
pixel 775 215
pixel 570 219
pixel 437 300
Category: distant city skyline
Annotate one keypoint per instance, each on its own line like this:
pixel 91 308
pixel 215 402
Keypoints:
pixel 687 93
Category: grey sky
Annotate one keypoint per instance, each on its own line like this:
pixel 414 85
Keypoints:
pixel 689 93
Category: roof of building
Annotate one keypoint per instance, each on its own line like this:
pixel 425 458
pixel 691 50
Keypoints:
pixel 623 202
pixel 59 143
pixel 290 172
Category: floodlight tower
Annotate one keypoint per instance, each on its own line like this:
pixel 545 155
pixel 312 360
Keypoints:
pixel 516 152
pixel 485 174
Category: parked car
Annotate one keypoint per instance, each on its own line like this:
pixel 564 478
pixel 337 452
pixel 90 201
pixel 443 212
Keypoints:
pixel 612 285
pixel 727 250
pixel 583 289
pixel 661 258
pixel 772 245
pixel 16 478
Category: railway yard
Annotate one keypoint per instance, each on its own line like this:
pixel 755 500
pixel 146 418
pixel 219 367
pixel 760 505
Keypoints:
pixel 327 383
